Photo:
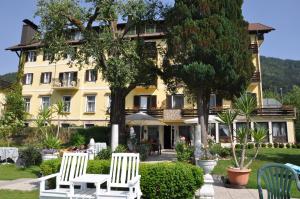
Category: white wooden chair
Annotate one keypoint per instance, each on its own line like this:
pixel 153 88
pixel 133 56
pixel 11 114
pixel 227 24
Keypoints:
pixel 73 165
pixel 124 181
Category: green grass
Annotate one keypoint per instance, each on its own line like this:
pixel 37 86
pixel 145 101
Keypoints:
pixel 265 156
pixel 12 194
pixel 11 172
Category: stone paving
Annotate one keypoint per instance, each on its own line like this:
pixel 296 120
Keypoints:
pixel 22 184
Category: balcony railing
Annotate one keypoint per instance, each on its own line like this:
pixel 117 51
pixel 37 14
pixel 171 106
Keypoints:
pixel 152 112
pixel 281 111
pixel 65 84
pixel 255 77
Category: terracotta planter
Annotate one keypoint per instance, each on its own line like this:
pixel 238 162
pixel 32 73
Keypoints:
pixel 237 176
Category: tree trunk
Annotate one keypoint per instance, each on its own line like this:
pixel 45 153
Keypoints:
pixel 117 112
pixel 201 117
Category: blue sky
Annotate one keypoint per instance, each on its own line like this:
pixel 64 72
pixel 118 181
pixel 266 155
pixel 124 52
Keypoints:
pixel 284 16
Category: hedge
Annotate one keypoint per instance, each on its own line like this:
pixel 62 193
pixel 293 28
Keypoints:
pixel 159 180
pixel 99 133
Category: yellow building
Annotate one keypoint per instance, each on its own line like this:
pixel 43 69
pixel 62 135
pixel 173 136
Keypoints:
pixel 87 96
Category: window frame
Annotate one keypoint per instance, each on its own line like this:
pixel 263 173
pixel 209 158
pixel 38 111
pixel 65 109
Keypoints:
pixel 87 104
pixel 43 75
pixel 69 103
pixel 43 102
pixel 27 103
pixel 31 56
pixel 27 80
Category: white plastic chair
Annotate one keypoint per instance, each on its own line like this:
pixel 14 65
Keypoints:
pixel 124 169
pixel 73 165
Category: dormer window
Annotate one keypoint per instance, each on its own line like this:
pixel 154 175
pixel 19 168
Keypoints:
pixel 150 28
pixel 31 56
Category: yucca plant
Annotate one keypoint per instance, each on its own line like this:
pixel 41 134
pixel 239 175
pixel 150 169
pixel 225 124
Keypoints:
pixel 243 106
pixel 59 109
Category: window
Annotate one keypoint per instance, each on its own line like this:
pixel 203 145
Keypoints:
pixel 45 102
pixel 212 100
pixel 212 130
pixel 264 125
pixel 279 132
pixel 91 75
pixel 150 28
pixel 90 103
pixel 31 56
pixel 46 78
pixel 144 102
pixel 47 56
pixel 175 101
pixel 89 125
pixel 67 103
pixel 108 103
pixel 27 104
pixel 68 79
pixel 65 125
pixel 28 78
pixel 224 133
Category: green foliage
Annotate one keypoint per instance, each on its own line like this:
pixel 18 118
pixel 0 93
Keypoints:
pixel 184 153
pixel 77 139
pixel 51 142
pixel 170 180
pixel 121 149
pixel 250 146
pixel 276 145
pixel 98 166
pixel 159 180
pixel 288 146
pixel 99 133
pixel 281 145
pixel 294 146
pixel 104 154
pixel 9 77
pixel 14 104
pixel 238 146
pixel 30 156
pixel 298 146
pixel 263 145
pixel 270 145
pixel 144 150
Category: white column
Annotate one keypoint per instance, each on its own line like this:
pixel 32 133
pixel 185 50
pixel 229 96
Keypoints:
pixel 270 132
pixel 217 133
pixel 252 127
pixel 198 144
pixel 114 136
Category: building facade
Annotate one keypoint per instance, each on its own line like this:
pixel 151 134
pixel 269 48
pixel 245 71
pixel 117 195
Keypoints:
pixel 87 97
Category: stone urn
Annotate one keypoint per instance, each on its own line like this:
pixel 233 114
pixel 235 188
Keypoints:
pixel 207 165
pixel 49 156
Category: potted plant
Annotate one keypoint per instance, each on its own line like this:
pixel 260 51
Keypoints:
pixel 51 145
pixel 243 106
pixel 208 158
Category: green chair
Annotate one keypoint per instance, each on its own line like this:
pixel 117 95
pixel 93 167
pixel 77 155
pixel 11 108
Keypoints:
pixel 278 179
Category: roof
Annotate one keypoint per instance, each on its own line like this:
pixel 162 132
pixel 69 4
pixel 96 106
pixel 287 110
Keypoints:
pixel 252 28
pixel 258 27
pixel 271 103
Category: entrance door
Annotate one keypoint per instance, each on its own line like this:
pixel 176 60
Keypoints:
pixel 167 137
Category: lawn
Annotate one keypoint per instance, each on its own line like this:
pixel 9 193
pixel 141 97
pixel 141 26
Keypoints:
pixel 11 172
pixel 9 194
pixel 265 156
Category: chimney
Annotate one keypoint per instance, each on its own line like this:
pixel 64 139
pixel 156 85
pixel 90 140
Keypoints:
pixel 28 32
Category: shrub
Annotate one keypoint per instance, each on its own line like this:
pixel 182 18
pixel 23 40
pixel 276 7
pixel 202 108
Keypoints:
pixel 77 139
pixel 215 149
pixel 104 154
pixel 184 153
pixel 270 145
pixel 276 145
pixel 51 142
pixel 30 156
pixel 225 152
pixel 144 150
pixel 257 145
pixel 159 180
pixel 263 145
pixel 250 146
pixel 238 146
pixel 170 180
pixel 49 167
pixel 121 149
pixel 294 146
pixel 298 146
pixel 281 145
pixel 99 133
pixel 288 145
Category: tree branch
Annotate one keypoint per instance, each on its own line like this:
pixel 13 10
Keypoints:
pixel 254 157
pixel 74 21
pixel 92 18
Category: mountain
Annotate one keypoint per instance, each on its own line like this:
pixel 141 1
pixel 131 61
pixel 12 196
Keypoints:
pixel 279 73
pixel 9 77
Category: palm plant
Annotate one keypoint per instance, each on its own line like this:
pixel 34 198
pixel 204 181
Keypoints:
pixel 42 121
pixel 59 109
pixel 243 106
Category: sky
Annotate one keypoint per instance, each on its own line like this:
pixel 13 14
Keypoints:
pixel 283 15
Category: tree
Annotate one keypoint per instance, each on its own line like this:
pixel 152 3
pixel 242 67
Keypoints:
pixel 208 50
pixel 121 59
pixel 59 109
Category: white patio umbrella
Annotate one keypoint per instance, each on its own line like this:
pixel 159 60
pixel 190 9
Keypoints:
pixel 211 119
pixel 142 119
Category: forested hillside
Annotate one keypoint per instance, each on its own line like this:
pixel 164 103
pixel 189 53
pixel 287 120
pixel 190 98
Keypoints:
pixel 9 77
pixel 279 73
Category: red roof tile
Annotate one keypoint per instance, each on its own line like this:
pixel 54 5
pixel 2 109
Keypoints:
pixel 258 27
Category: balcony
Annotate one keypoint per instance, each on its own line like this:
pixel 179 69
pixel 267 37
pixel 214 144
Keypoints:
pixel 158 113
pixel 281 111
pixel 255 77
pixel 59 84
